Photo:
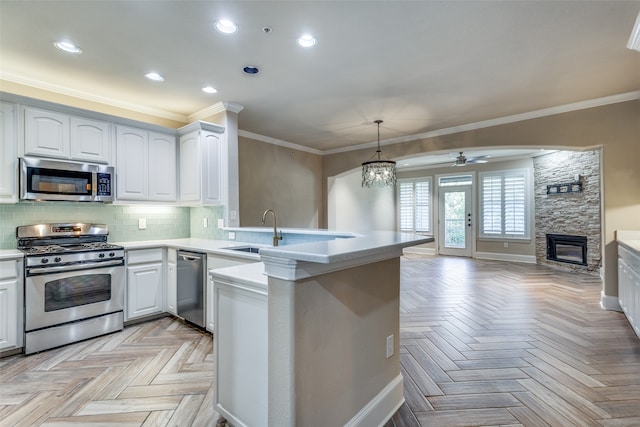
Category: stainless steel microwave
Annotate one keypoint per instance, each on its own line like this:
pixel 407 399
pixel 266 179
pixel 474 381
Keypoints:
pixel 58 180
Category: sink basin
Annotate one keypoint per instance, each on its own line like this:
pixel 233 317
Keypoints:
pixel 249 249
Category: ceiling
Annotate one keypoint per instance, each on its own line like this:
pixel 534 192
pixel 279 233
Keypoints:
pixel 421 66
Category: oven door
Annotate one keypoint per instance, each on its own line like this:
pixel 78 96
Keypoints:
pixel 61 294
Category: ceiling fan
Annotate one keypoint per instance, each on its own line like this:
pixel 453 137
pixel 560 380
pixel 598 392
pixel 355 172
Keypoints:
pixel 461 160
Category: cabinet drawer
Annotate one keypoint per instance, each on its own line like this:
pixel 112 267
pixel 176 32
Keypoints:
pixel 8 270
pixel 632 260
pixel 140 256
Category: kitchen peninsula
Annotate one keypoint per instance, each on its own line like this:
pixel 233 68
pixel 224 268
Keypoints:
pixel 310 335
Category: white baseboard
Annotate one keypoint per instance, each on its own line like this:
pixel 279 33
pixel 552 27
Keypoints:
pixel 381 408
pixel 528 259
pixel 609 303
pixel 419 250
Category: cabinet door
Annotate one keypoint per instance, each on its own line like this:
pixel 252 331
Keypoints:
pixel 46 133
pixel 190 167
pixel 9 305
pixel 162 167
pixel 214 173
pixel 144 290
pixel 8 154
pixel 90 140
pixel 132 171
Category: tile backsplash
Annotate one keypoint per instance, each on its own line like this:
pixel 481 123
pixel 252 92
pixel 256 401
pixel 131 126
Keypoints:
pixel 162 222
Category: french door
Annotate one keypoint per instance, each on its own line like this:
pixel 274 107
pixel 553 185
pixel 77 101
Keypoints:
pixel 455 222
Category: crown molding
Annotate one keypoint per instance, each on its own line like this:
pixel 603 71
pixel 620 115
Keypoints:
pixel 551 111
pixel 218 107
pixel 63 90
pixel 279 142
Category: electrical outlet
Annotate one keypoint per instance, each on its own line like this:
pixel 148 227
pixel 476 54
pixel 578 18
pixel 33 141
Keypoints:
pixel 220 223
pixel 389 346
pixel 205 222
pixel 233 214
pixel 506 244
pixel 232 235
pixel 142 223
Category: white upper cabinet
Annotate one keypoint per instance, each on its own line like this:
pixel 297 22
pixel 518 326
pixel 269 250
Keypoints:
pixel 8 154
pixel 146 165
pixel 58 135
pixel 132 168
pixel 203 165
pixel 90 140
pixel 162 167
pixel 46 133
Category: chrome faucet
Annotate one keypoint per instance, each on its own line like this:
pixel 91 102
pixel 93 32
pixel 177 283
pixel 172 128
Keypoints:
pixel 275 232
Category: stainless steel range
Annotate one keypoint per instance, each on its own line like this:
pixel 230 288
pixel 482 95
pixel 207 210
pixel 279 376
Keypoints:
pixel 74 284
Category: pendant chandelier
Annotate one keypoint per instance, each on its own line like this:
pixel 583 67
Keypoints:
pixel 378 172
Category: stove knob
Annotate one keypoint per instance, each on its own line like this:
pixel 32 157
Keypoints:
pixel 44 260
pixel 57 259
pixel 112 254
pixel 101 255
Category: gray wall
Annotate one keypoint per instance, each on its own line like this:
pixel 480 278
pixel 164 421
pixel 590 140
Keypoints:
pixel 283 179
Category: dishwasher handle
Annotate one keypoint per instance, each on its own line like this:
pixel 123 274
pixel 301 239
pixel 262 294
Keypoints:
pixel 188 256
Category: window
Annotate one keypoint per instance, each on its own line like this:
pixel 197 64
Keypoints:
pixel 415 205
pixel 504 205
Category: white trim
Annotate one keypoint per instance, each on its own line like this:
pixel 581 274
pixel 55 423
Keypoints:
pixel 609 302
pixel 420 251
pixel 566 108
pixel 381 408
pixel 634 38
pixel 218 107
pixel 63 90
pixel 279 142
pixel 496 256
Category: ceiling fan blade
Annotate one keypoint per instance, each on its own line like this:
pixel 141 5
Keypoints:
pixel 476 160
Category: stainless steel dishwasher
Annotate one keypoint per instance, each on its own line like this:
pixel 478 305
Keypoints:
pixel 191 286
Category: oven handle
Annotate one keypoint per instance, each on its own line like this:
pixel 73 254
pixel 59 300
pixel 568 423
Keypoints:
pixel 86 266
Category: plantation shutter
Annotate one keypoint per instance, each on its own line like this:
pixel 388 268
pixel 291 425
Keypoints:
pixel 492 204
pixel 415 206
pixel 504 204
pixel 514 205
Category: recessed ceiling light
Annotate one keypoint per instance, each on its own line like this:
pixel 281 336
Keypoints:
pixel 67 47
pixel 225 26
pixel 306 40
pixel 154 76
pixel 209 89
pixel 251 70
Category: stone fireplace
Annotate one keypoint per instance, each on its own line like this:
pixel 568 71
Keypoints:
pixel 568 223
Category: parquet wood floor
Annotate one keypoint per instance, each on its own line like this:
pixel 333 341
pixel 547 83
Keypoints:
pixel 482 343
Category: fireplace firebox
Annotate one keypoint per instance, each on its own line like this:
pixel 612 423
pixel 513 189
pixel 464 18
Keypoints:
pixel 566 248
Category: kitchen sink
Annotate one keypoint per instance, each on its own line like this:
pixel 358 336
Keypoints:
pixel 249 249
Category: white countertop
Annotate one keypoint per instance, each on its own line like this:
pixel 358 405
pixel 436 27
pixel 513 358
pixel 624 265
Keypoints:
pixel 247 274
pixel 630 239
pixel 199 245
pixel 323 252
pixel 10 254
pixel 331 251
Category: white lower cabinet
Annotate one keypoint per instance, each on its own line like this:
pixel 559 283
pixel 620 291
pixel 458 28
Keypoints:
pixel 241 342
pixel 629 286
pixel 214 262
pixel 172 281
pixel 145 283
pixel 11 297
